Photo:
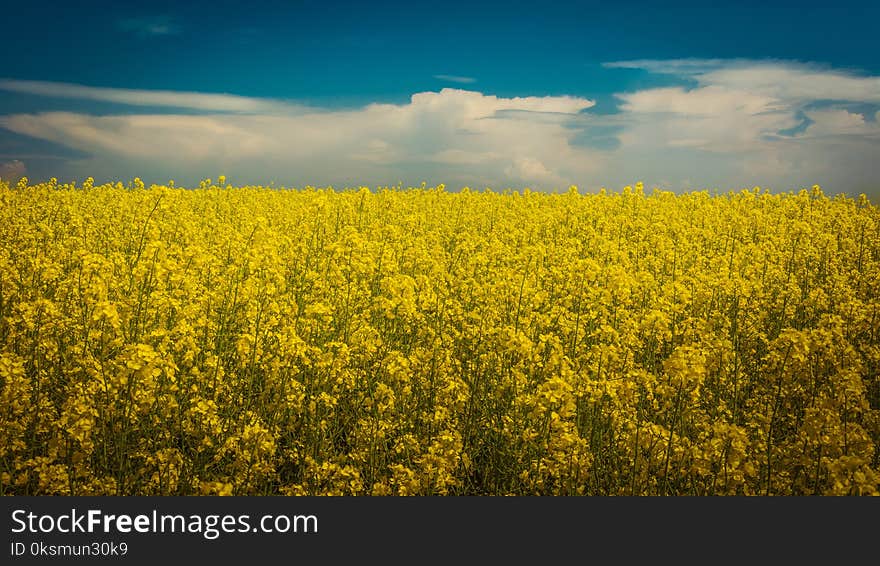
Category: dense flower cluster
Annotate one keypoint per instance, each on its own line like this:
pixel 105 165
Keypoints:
pixel 248 340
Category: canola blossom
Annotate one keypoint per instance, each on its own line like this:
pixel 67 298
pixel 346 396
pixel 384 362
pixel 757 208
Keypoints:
pixel 259 341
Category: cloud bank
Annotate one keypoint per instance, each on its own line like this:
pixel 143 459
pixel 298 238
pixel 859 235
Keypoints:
pixel 733 124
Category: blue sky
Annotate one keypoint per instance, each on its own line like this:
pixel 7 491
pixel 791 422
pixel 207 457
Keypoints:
pixel 685 95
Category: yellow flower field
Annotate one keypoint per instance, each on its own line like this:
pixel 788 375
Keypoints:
pixel 251 340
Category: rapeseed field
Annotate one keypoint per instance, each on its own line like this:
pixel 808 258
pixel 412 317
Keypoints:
pixel 417 341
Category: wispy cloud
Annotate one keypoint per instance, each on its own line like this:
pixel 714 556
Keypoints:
pixel 792 81
pixel 673 66
pixel 149 26
pixel 161 98
pixel 455 79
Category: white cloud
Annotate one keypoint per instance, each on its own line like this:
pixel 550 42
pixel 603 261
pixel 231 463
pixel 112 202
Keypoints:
pixel 456 79
pixel 792 81
pixel 795 83
pixel 142 136
pixel 532 170
pixel 837 121
pixel 478 105
pixel 671 66
pixel 159 98
pixel 732 131
pixel 710 100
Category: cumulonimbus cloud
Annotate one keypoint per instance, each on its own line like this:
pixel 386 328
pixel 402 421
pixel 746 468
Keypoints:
pixel 453 135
